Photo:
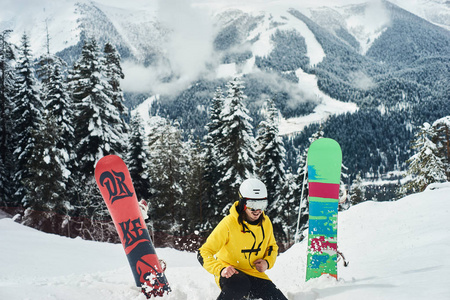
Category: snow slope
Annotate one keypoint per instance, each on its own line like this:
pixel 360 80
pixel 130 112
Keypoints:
pixel 397 250
pixel 326 107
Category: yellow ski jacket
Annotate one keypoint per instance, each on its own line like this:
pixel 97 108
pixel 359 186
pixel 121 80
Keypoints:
pixel 238 245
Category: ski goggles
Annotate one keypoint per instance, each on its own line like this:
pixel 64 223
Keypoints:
pixel 254 204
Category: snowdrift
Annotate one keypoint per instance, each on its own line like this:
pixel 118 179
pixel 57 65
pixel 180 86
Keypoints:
pixel 397 250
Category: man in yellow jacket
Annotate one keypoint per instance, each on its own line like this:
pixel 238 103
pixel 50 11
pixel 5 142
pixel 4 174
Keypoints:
pixel 242 247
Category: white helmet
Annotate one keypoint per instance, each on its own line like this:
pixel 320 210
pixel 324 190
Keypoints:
pixel 253 189
pixel 253 194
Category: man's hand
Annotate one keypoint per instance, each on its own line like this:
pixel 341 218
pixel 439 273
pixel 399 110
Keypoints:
pixel 261 265
pixel 228 272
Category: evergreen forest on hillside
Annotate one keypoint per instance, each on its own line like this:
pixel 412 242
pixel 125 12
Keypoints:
pixel 57 120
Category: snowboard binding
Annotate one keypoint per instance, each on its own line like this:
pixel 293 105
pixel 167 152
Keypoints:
pixel 341 256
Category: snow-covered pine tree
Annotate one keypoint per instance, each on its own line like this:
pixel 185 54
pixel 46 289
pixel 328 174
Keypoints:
pixel 113 73
pixel 46 184
pixel 167 207
pixel 271 154
pixel 97 126
pixel 357 191
pixel 60 107
pixel 137 157
pixel 441 128
pixel 194 187
pixel 317 135
pixel 270 162
pixel 54 143
pixel 238 147
pixel 6 128
pixel 344 196
pixel 27 115
pixel 45 66
pixel 302 203
pixel 286 213
pixel 212 154
pixel 425 166
pixel 97 120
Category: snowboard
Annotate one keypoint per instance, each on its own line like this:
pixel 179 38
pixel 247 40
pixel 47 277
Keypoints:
pixel 324 171
pixel 114 181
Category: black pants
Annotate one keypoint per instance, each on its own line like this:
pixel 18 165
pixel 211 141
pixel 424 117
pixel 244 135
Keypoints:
pixel 241 285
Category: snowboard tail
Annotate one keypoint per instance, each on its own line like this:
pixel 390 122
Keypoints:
pixel 114 181
pixel 324 171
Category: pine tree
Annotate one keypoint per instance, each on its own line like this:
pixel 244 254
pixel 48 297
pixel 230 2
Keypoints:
pixel 97 119
pixel 425 166
pixel 302 210
pixel 27 115
pixel 45 67
pixel 442 140
pixel 317 135
pixel 194 187
pixel 113 73
pixel 6 128
pixel 166 174
pixel 46 183
pixel 61 108
pixel 138 157
pixel 344 197
pixel 271 160
pixel 271 154
pixel 357 192
pixel 97 126
pixel 213 155
pixel 54 143
pixel 238 147
pixel 285 214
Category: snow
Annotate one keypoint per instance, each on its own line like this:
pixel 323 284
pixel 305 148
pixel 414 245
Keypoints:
pixel 226 70
pixel 32 17
pixel 143 110
pixel 367 27
pixel 307 83
pixel 47 159
pixel 279 14
pixel 435 11
pixel 134 19
pixel 327 106
pixel 397 250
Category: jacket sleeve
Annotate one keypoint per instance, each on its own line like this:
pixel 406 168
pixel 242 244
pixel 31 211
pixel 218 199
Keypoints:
pixel 216 240
pixel 272 248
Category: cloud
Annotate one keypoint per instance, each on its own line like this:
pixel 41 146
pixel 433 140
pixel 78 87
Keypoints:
pixel 138 79
pixel 186 50
pixel 189 45
pixel 361 80
pixel 369 25
pixel 376 16
pixel 298 93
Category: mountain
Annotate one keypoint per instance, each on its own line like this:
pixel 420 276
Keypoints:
pixel 397 250
pixel 369 71
pixel 148 33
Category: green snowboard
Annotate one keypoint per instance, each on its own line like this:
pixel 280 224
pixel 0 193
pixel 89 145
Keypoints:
pixel 324 172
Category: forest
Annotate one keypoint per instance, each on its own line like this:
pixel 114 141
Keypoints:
pixel 58 120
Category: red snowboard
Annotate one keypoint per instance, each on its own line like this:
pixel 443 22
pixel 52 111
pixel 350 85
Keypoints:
pixel 114 182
